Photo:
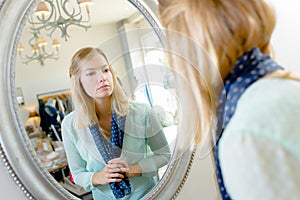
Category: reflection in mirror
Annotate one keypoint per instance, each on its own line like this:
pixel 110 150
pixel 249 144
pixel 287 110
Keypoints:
pixel 131 46
pixel 137 147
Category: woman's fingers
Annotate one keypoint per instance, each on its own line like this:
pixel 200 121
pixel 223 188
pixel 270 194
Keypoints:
pixel 113 180
pixel 115 169
pixel 118 163
pixel 115 175
pixel 112 174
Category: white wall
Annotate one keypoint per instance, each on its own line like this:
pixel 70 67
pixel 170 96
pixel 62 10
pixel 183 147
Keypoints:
pixel 286 41
pixel 199 184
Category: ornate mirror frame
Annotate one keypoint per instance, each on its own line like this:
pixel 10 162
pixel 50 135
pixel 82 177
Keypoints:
pixel 15 148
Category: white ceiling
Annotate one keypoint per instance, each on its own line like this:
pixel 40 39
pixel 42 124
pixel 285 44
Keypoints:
pixel 108 11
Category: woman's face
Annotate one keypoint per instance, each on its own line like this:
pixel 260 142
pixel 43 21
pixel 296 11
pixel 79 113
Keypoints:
pixel 96 77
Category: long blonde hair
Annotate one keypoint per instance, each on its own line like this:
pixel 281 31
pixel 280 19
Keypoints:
pixel 84 105
pixel 217 33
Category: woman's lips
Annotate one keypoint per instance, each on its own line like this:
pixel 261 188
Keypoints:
pixel 103 87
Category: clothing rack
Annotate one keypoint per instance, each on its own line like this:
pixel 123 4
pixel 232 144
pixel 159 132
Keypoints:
pixel 62 97
pixel 53 106
pixel 52 94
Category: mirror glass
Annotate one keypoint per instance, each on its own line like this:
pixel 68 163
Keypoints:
pixel 41 75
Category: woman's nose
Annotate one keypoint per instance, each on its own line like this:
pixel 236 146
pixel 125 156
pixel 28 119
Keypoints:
pixel 101 77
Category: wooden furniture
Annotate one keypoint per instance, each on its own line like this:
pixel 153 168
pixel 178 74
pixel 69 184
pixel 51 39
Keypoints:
pixel 77 190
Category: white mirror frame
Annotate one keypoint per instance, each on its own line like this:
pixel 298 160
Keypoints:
pixel 15 148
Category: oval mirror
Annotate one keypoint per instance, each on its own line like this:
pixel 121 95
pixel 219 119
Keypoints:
pixel 130 33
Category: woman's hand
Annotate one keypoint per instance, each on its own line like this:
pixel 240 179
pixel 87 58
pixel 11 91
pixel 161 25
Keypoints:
pixel 109 174
pixel 114 171
pixel 130 171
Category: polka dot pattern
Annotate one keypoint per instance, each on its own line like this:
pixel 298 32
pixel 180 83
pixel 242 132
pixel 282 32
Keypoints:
pixel 112 149
pixel 248 69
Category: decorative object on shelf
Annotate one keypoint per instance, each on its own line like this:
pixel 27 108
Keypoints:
pixel 53 14
pixel 33 115
pixel 39 52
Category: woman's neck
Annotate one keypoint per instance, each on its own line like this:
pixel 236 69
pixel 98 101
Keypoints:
pixel 103 108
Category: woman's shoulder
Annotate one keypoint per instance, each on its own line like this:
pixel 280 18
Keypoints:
pixel 138 104
pixel 138 107
pixel 267 88
pixel 69 120
pixel 273 98
pixel 270 108
pixel 139 112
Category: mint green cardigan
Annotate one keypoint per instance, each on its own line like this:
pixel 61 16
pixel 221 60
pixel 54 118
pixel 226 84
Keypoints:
pixel 144 143
pixel 260 148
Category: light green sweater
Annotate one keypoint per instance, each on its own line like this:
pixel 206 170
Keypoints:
pixel 144 143
pixel 260 147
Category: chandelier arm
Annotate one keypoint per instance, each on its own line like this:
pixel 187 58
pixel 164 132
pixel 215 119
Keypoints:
pixel 88 15
pixel 73 14
pixel 64 32
pixel 33 41
pixel 52 11
pixel 46 55
pixel 58 8
pixel 57 52
pixel 44 26
pixel 51 57
pixel 34 56
pixel 21 55
pixel 76 20
pixel 52 29
pixel 36 23
pixel 40 57
pixel 63 29
pixel 88 19
pixel 81 25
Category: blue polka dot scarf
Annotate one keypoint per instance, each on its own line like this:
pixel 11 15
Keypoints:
pixel 112 149
pixel 249 68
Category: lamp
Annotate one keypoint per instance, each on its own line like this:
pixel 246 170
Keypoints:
pixel 51 14
pixel 33 115
pixel 20 96
pixel 38 45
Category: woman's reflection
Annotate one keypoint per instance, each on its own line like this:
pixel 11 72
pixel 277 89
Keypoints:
pixel 114 146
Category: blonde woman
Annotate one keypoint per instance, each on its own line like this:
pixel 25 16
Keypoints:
pixel 114 146
pixel 256 117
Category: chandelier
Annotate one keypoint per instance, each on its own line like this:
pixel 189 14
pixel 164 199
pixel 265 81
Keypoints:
pixel 39 52
pixel 60 14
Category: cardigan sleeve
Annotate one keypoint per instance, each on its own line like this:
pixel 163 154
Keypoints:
pixel 76 164
pixel 159 150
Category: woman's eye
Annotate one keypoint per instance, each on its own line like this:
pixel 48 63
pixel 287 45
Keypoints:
pixel 106 70
pixel 90 73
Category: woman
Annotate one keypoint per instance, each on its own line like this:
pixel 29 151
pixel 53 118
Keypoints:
pixel 257 113
pixel 114 147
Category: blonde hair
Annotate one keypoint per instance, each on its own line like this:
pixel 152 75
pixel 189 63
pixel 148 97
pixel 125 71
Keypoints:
pixel 224 29
pixel 84 106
